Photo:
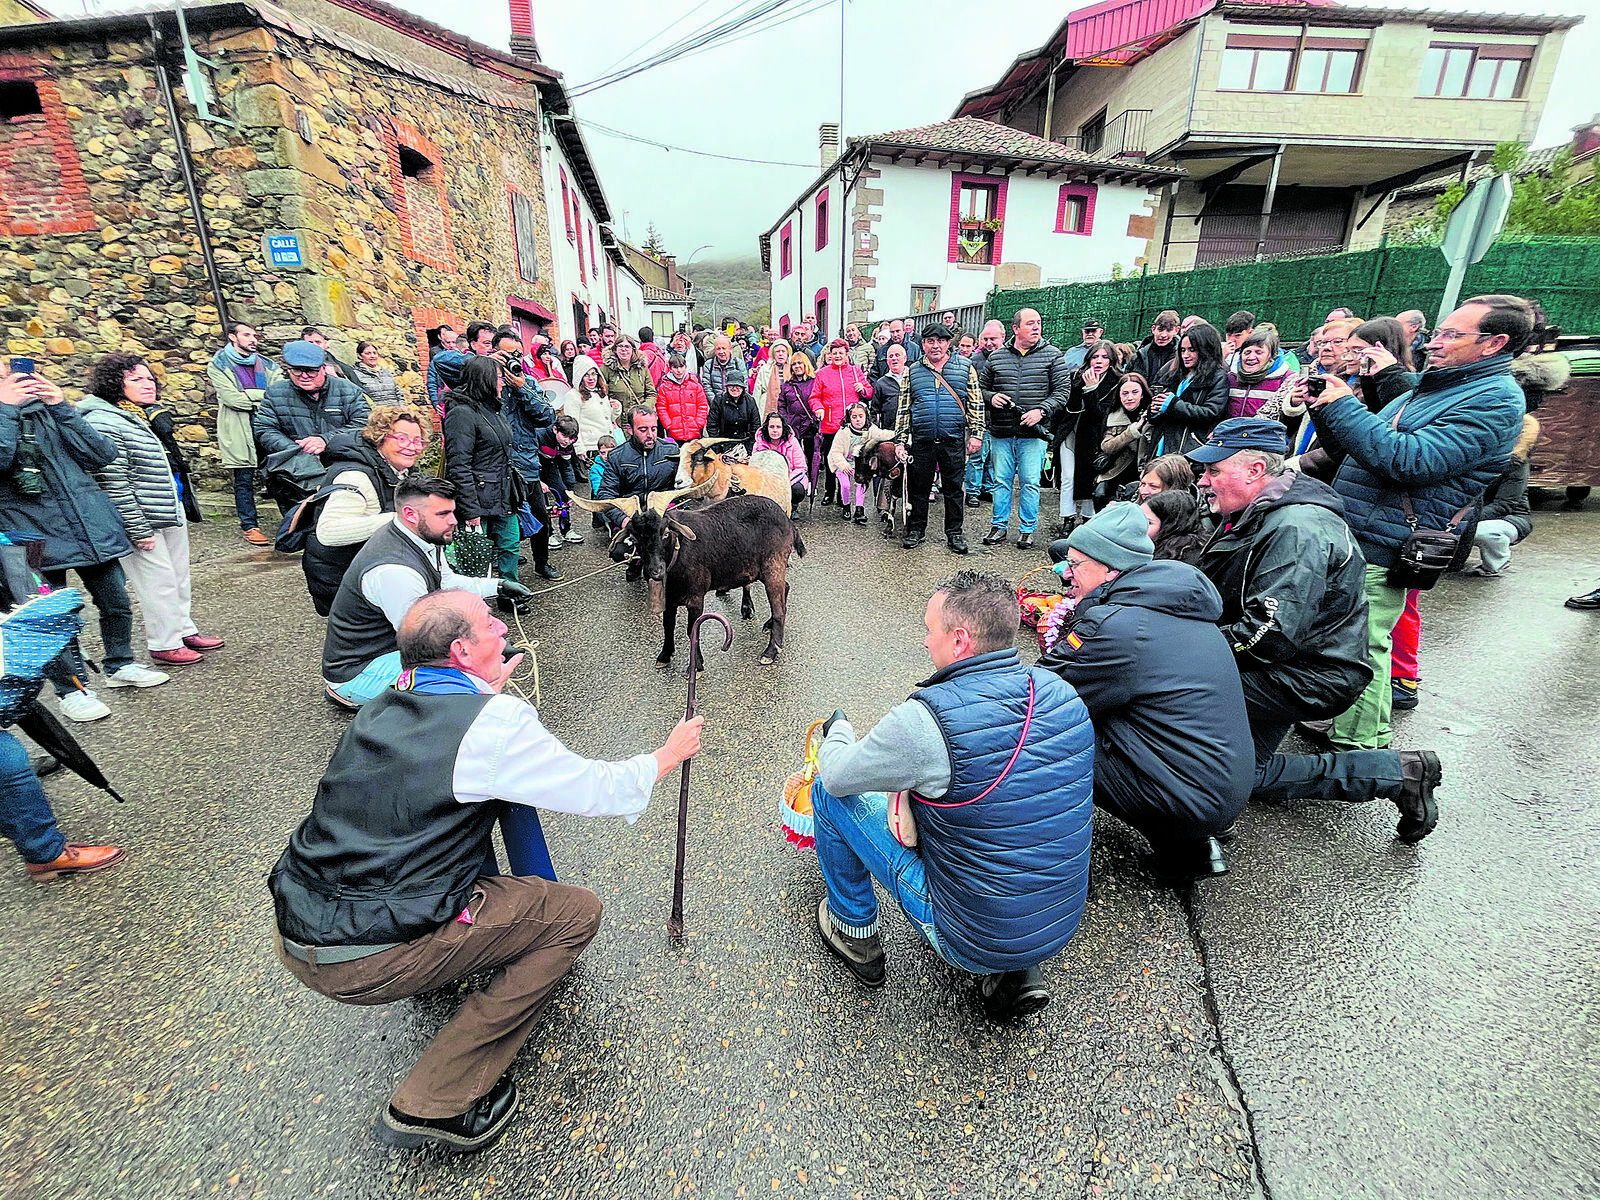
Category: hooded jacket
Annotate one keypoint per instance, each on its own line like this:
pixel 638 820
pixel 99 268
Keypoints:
pixel 77 521
pixel 1158 679
pixel 682 406
pixel 348 457
pixel 1454 433
pixel 1294 599
pixel 478 448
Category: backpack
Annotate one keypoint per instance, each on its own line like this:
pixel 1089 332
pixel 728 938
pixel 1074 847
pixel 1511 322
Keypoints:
pixel 302 519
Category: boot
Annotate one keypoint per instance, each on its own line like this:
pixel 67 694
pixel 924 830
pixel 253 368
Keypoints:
pixel 863 955
pixel 1013 995
pixel 1420 773
pixel 861 515
pixel 1177 864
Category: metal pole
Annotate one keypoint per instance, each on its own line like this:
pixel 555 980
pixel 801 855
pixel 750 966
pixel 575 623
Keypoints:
pixel 1266 202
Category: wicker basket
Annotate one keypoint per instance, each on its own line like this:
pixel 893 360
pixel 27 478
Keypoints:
pixel 799 824
pixel 1040 590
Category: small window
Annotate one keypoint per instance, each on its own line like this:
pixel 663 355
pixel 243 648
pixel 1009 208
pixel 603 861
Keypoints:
pixel 1092 133
pixel 1457 72
pixel 525 232
pixel 822 218
pixel 1331 72
pixel 1075 208
pixel 977 222
pixel 786 252
pixel 415 165
pixel 1255 69
pixel 661 323
pixel 19 98
pixel 567 200
pixel 924 300
pixel 420 196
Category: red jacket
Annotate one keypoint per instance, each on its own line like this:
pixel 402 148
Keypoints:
pixel 654 361
pixel 835 390
pixel 682 407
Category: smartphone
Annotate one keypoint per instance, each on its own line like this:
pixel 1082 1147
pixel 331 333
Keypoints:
pixel 1315 385
pixel 22 366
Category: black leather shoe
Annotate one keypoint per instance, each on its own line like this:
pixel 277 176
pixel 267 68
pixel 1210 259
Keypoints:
pixel 1180 863
pixel 1013 995
pixel 986 497
pixel 996 535
pixel 913 540
pixel 547 572
pixel 1025 542
pixel 1419 812
pixel 43 764
pixel 474 1129
pixel 1587 600
pixel 973 501
pixel 958 543
pixel 861 515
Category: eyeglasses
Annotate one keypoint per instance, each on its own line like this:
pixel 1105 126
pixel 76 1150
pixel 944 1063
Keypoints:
pixel 304 370
pixel 408 441
pixel 1455 335
pixel 1072 567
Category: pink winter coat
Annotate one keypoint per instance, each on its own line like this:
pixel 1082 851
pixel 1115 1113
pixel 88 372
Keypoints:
pixel 791 451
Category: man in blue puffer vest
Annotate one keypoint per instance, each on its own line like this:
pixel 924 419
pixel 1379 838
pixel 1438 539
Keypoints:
pixel 940 423
pixel 1441 444
pixel 997 763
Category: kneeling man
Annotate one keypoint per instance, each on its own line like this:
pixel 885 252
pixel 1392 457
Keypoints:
pixel 1172 741
pixel 997 760
pixel 381 893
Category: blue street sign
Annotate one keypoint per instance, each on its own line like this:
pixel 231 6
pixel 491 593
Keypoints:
pixel 283 250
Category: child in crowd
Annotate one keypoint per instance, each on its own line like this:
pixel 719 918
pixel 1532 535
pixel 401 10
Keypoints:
pixel 597 470
pixel 776 436
pixel 842 461
pixel 556 470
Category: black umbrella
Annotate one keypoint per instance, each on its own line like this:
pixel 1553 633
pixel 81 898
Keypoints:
pixel 41 725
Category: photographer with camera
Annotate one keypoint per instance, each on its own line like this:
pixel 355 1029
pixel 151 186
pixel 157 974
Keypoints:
pixel 1026 382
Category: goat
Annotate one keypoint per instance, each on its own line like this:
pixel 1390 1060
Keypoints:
pixel 685 554
pixel 766 474
pixel 880 462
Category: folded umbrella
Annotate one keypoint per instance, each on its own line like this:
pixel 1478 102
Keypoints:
pixel 42 726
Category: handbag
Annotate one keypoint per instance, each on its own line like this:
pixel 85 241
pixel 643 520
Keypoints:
pixel 294 464
pixel 1427 553
pixel 301 519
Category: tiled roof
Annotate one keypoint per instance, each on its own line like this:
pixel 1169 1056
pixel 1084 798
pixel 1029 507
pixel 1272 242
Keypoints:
pixel 661 295
pixel 972 135
pixel 1535 162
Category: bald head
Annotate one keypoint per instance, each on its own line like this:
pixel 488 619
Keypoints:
pixel 992 336
pixel 435 623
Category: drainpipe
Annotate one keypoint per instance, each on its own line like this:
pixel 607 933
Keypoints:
pixel 1050 103
pixel 164 82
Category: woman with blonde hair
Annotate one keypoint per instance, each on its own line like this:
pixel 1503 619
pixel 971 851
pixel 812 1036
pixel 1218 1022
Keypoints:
pixel 771 376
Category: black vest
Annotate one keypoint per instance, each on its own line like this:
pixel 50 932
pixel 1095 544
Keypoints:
pixel 324 566
pixel 388 853
pixel 358 630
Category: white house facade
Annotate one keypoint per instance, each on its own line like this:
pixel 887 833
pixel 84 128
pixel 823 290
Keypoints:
pixel 578 214
pixel 934 218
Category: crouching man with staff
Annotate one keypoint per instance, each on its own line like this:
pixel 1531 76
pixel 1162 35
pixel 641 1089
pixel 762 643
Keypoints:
pixel 382 894
pixel 996 761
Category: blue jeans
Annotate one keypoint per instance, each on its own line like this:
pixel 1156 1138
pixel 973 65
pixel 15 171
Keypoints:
pixel 979 477
pixel 108 588
pixel 25 815
pixel 1022 457
pixel 378 676
pixel 854 846
pixel 244 496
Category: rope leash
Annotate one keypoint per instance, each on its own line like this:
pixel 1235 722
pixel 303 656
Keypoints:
pixel 531 646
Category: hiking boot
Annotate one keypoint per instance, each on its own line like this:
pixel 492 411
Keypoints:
pixel 958 543
pixel 1420 773
pixel 474 1129
pixel 1402 694
pixel 863 955
pixel 1013 995
pixel 996 535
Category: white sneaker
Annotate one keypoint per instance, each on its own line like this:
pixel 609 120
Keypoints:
pixel 83 706
pixel 574 538
pixel 136 675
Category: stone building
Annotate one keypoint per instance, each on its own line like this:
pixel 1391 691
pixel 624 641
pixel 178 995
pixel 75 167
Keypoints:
pixel 340 164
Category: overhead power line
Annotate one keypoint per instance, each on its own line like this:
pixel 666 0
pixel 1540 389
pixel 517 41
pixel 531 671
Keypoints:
pixel 608 131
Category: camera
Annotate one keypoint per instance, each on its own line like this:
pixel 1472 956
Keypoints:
pixel 1315 385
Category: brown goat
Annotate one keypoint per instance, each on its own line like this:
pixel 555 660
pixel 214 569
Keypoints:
pixel 700 460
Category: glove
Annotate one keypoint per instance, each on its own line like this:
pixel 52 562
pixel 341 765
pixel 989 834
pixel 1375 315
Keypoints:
pixel 827 726
pixel 510 589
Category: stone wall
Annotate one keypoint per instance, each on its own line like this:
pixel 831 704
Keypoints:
pixel 390 240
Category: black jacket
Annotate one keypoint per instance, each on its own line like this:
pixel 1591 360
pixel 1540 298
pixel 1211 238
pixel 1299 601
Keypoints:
pixel 1294 598
pixel 730 418
pixel 1150 360
pixel 631 472
pixel 287 414
pixel 1038 379
pixel 1188 419
pixel 1158 678
pixel 478 446
pixel 77 520
pixel 884 407
pixel 1084 414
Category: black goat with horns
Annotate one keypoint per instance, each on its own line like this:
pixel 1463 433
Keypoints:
pixel 685 553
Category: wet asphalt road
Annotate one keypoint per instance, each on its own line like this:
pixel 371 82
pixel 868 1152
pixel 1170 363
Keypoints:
pixel 1400 1022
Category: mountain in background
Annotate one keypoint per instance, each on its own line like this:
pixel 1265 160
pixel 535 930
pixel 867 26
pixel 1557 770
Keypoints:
pixel 735 287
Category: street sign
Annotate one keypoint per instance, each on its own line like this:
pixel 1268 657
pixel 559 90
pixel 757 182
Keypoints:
pixel 283 250
pixel 1472 229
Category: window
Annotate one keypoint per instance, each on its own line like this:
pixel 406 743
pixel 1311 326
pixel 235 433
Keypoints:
pixel 1303 62
pixel 977 219
pixel 1075 208
pixel 786 252
pixel 525 233
pixel 1092 133
pixel 19 98
pixel 924 300
pixel 1255 68
pixel 594 259
pixel 418 183
pixel 662 324
pixel 1327 71
pixel 567 203
pixel 819 305
pixel 822 218
pixel 1460 72
pixel 783 327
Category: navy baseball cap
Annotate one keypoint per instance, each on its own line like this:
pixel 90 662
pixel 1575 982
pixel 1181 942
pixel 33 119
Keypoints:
pixel 1242 433
pixel 306 355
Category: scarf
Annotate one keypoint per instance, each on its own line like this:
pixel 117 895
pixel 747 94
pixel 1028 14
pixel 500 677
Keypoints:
pixel 1251 378
pixel 237 359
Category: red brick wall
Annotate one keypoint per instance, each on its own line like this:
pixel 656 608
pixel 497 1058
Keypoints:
pixel 424 210
pixel 41 184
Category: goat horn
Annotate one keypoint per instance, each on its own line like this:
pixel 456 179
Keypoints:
pixel 658 501
pixel 626 505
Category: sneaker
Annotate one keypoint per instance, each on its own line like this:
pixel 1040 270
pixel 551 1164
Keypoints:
pixel 958 543
pixel 138 675
pixel 83 706
pixel 863 955
pixel 996 535
pixel 181 657
pixel 573 538
pixel 1402 694
pixel 1420 773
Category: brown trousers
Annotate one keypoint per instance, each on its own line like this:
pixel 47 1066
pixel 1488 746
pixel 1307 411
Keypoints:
pixel 527 930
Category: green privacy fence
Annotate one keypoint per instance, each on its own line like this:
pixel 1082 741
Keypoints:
pixel 1563 274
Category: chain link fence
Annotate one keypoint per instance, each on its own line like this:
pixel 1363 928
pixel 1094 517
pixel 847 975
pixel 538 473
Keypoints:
pixel 1296 293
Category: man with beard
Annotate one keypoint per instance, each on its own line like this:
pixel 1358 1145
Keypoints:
pixel 643 464
pixel 400 564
